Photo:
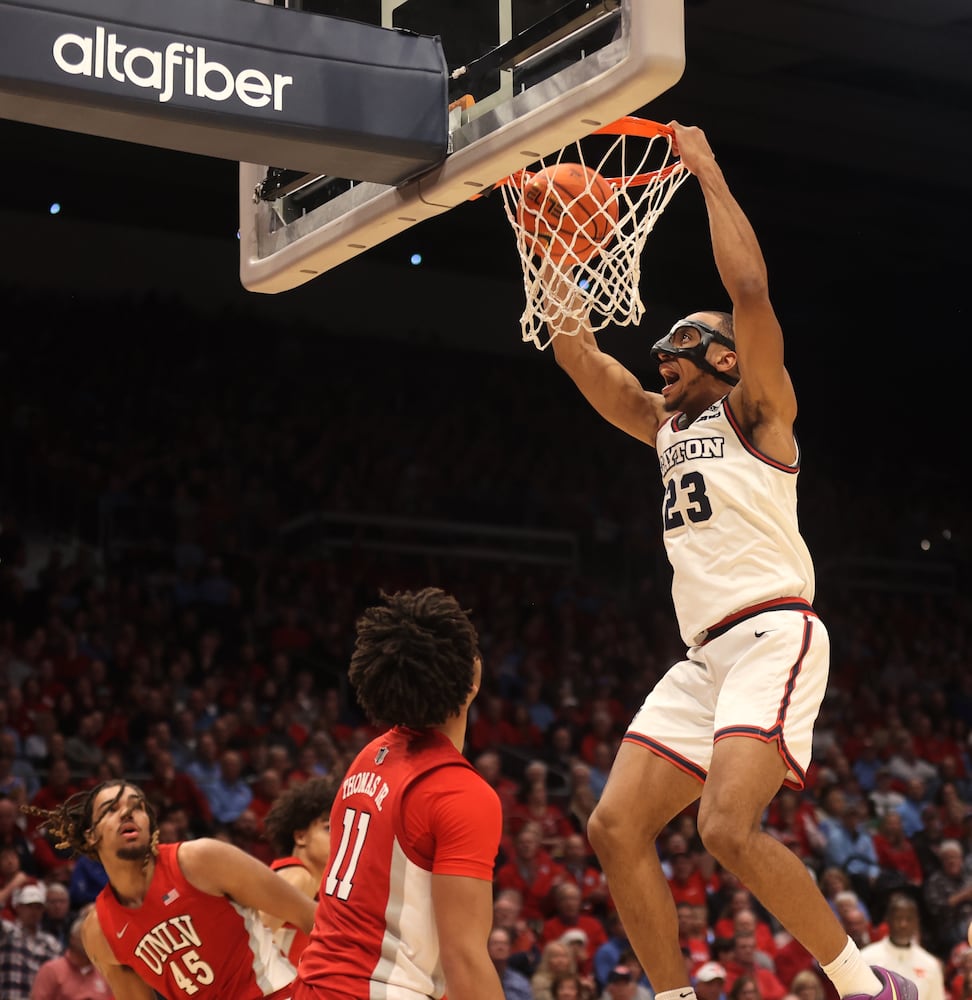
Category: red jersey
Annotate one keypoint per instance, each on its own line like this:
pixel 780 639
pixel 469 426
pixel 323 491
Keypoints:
pixel 289 939
pixel 410 807
pixel 183 941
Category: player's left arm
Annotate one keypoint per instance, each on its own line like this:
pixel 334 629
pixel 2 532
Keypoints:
pixel 467 822
pixel 300 878
pixel 764 399
pixel 219 868
pixel 463 910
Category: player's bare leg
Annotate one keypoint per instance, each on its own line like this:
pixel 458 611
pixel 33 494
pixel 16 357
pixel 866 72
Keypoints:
pixel 744 776
pixel 642 795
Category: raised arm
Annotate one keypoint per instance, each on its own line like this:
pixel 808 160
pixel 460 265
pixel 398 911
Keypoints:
pixel 764 398
pixel 220 868
pixel 605 383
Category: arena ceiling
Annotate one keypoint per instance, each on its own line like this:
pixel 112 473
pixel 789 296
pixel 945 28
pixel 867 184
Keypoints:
pixel 844 126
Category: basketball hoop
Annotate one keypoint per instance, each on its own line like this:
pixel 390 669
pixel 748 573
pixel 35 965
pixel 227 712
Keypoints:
pixel 635 157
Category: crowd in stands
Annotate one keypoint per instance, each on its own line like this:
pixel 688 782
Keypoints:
pixel 157 624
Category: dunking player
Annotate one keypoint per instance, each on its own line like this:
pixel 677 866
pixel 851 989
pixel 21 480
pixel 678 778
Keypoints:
pixel 180 919
pixel 299 827
pixel 733 720
pixel 407 901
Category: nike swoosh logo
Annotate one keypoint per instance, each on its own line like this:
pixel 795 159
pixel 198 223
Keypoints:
pixel 759 635
pixel 118 934
pixel 687 993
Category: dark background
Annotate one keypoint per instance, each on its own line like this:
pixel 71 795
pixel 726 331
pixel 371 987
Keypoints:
pixel 843 126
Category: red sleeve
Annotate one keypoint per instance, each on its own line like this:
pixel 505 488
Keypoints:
pixel 454 820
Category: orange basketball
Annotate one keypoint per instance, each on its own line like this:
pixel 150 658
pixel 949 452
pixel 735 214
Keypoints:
pixel 568 210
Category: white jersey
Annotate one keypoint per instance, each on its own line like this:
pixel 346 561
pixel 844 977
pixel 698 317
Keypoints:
pixel 913 962
pixel 729 519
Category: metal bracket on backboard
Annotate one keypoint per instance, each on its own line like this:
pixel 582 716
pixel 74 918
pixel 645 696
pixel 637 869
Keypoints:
pixel 645 60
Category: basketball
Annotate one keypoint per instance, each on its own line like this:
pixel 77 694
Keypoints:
pixel 567 210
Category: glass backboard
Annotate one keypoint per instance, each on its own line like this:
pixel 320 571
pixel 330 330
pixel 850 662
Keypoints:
pixel 527 77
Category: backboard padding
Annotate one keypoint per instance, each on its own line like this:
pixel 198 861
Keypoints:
pixel 645 60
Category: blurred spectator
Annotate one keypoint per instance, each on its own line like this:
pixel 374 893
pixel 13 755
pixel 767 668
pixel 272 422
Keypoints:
pixel 858 927
pixel 954 811
pixel 604 754
pixel 167 789
pixel 524 941
pixel 912 808
pixel 541 713
pixel 791 821
pixel 849 845
pixel 229 794
pixel 58 788
pixel 807 985
pixel 580 797
pixel 692 942
pixel 570 986
pixel 82 750
pixel 489 764
pixel 710 981
pixel 745 988
pixel 20 768
pixel 531 871
pixel 516 986
pixel 622 984
pixel 491 727
pixel 905 764
pixel 578 865
pixel 901 950
pixel 13 837
pixel 867 764
pixel 24 947
pixel 742 901
pixel 895 853
pixel 568 915
pixel 613 951
pixel 12 785
pixel 948 897
pixel 12 877
pixel 266 791
pixel 205 768
pixel 88 878
pixel 744 966
pixel 246 834
pixel 556 959
pixel 884 797
pixel 928 840
pixel 687 883
pixel 72 975
pixel 57 917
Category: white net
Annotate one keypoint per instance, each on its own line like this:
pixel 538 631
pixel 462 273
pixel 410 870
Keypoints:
pixel 635 157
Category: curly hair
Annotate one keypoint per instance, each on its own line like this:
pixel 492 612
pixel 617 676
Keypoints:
pixel 414 658
pixel 296 808
pixel 69 824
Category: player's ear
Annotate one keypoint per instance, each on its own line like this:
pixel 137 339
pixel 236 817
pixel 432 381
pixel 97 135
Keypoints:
pixel 728 362
pixel 477 679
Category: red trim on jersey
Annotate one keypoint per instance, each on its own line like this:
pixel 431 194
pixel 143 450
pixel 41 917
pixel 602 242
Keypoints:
pixel 776 604
pixel 290 862
pixel 667 753
pixel 753 450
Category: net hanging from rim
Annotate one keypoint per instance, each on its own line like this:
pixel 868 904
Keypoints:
pixel 635 157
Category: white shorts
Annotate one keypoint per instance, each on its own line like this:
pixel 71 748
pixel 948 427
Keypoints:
pixel 763 677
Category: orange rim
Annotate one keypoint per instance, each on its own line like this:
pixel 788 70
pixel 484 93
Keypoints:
pixel 629 125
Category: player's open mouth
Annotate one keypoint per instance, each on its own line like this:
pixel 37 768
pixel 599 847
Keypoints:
pixel 129 831
pixel 670 377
